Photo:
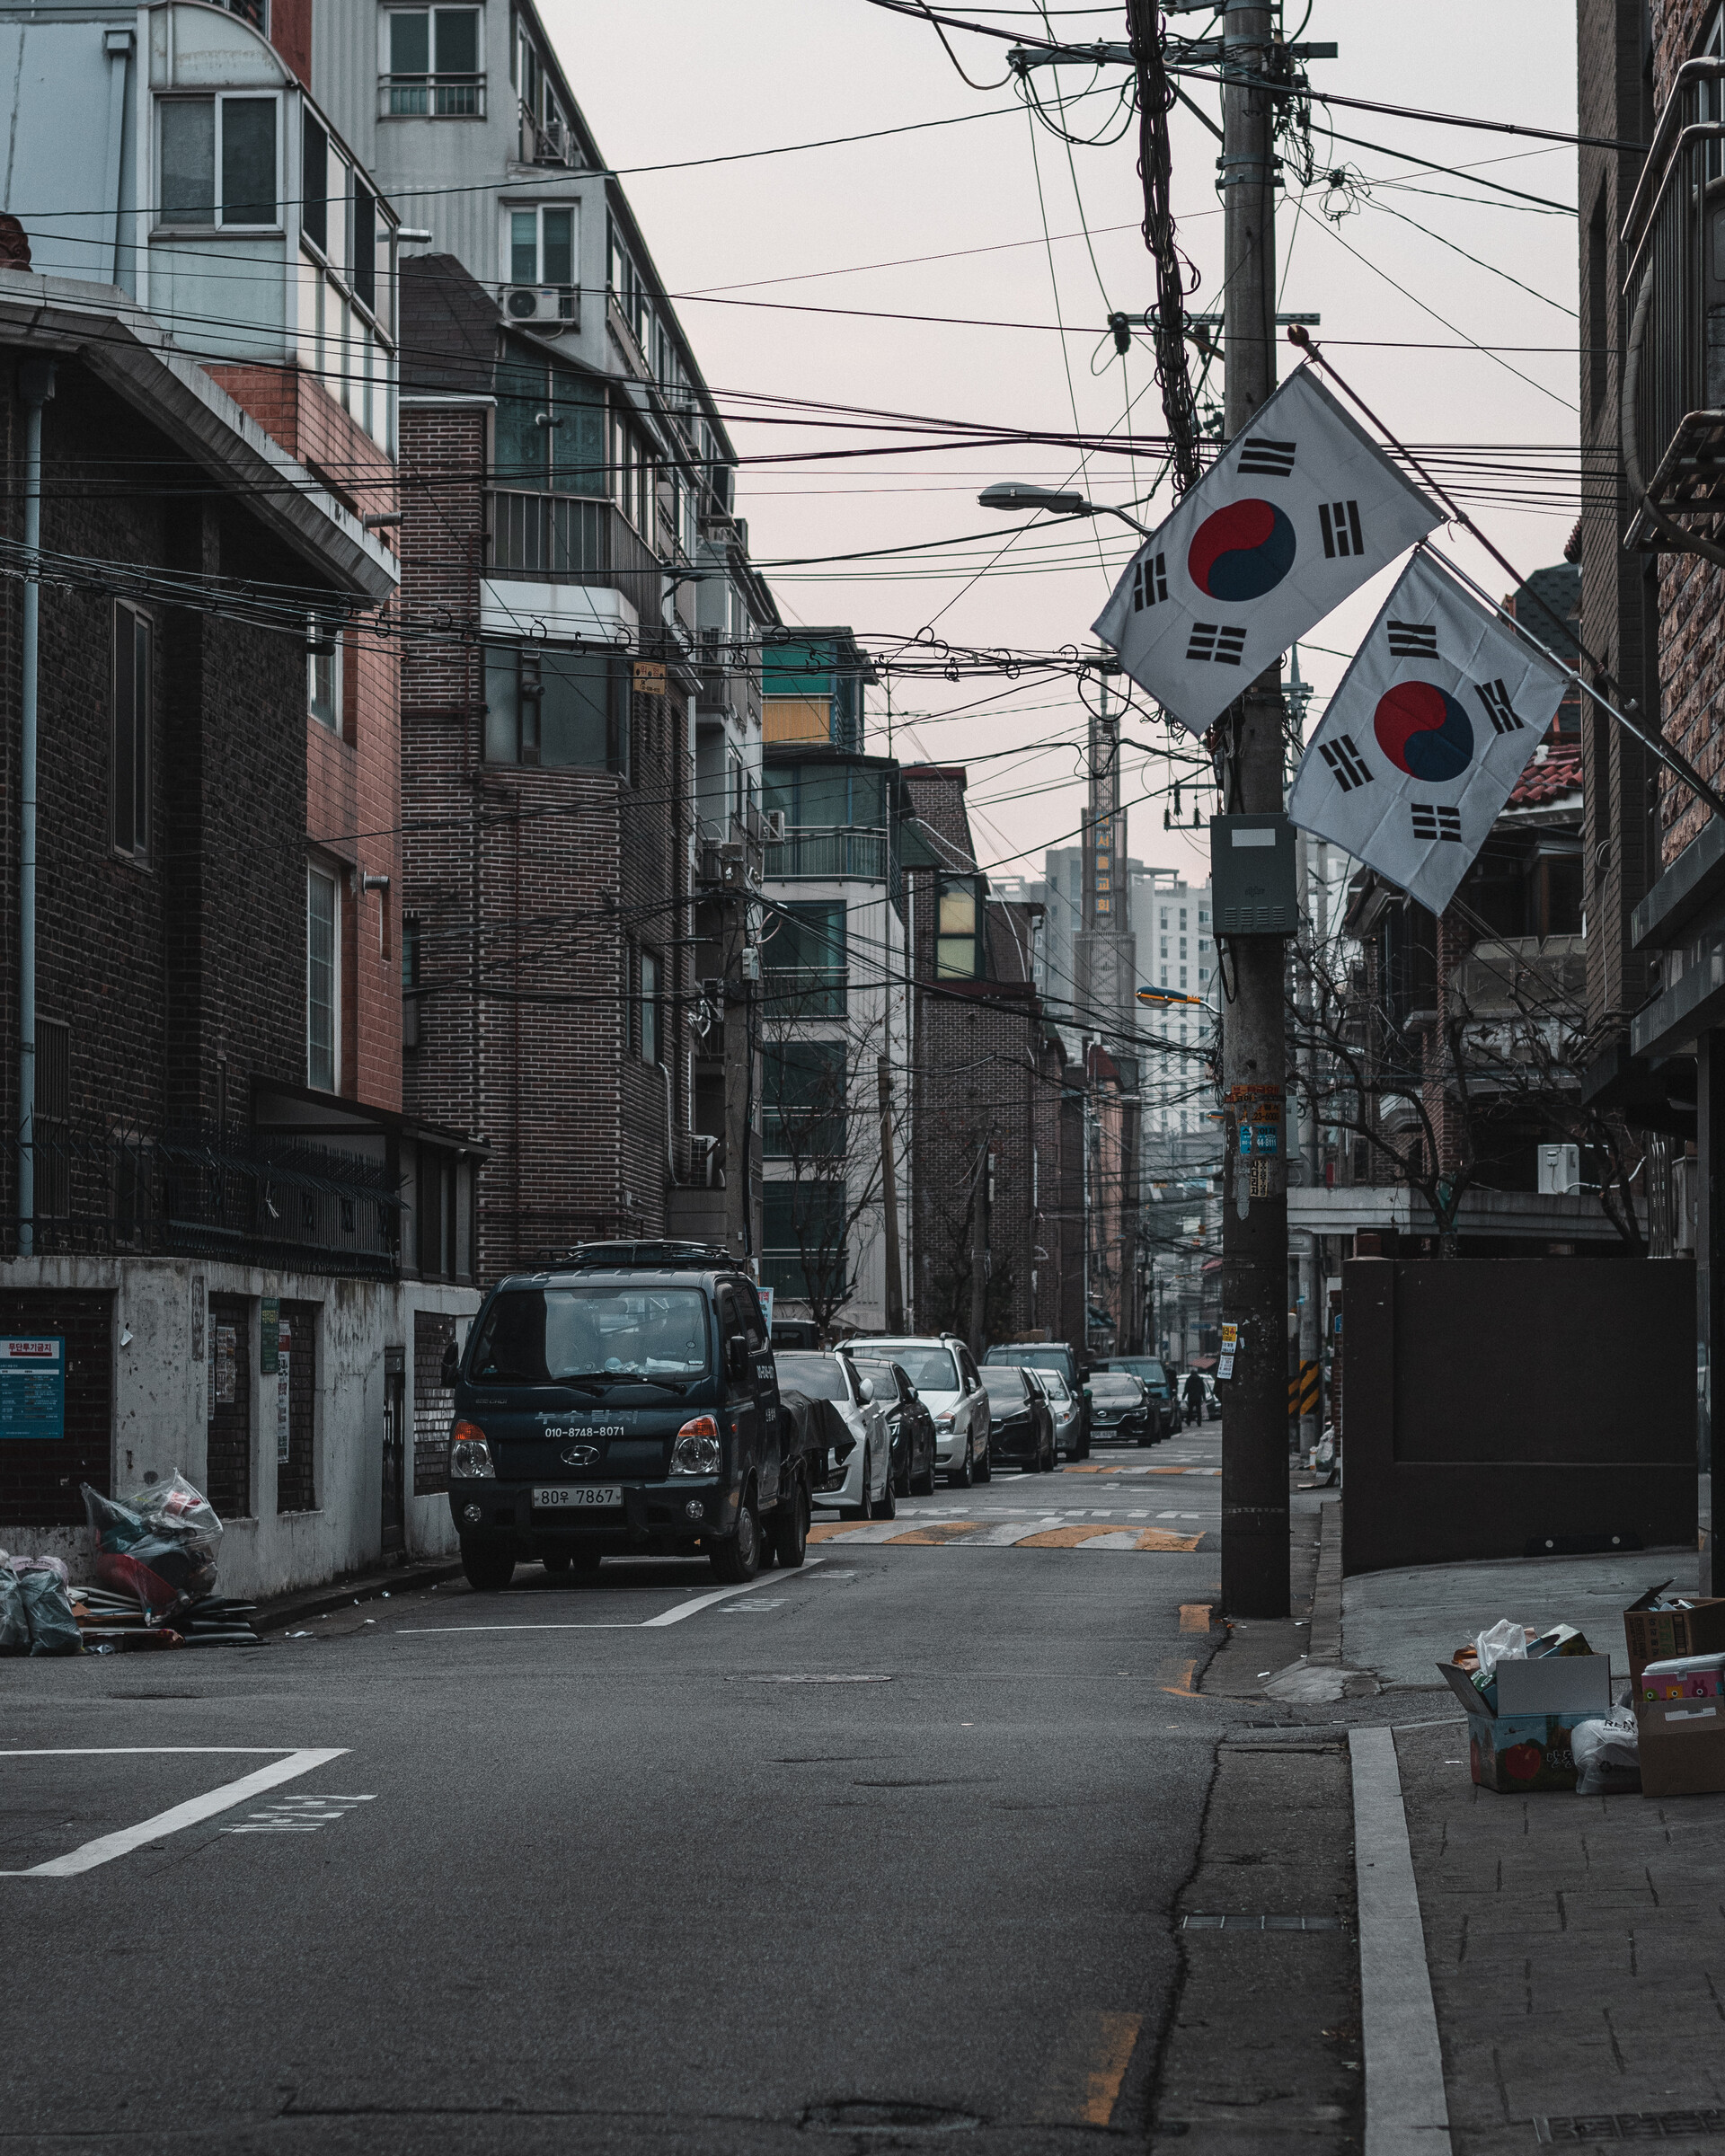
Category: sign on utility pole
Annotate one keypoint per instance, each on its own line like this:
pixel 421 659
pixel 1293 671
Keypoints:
pixel 1254 1224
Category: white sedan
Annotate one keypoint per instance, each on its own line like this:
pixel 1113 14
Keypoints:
pixel 864 1488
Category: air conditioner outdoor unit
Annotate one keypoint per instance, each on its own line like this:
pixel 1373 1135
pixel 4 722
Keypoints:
pixel 548 308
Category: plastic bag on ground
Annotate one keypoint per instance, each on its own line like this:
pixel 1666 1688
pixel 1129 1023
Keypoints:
pixel 1505 1642
pixel 47 1609
pixel 1607 1755
pixel 14 1625
pixel 57 1565
pixel 157 1545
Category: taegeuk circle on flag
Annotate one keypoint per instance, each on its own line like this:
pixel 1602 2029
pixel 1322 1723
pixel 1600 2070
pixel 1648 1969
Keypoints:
pixel 1241 551
pixel 1424 731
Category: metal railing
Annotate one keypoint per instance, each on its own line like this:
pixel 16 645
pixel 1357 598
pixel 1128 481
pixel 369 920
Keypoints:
pixel 432 96
pixel 106 1188
pixel 572 539
pixel 1673 400
pixel 544 142
pixel 829 852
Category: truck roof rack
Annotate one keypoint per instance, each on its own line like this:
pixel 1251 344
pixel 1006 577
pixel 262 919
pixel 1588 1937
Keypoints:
pixel 661 1256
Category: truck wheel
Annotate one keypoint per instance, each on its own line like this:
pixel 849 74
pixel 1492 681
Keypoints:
pixel 489 1568
pixel 738 1559
pixel 791 1526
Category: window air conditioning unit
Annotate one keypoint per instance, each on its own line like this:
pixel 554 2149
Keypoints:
pixel 548 308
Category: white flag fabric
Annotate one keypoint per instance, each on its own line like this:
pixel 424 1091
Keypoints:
pixel 1422 744
pixel 1298 511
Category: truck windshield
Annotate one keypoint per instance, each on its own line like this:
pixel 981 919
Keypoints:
pixel 625 1335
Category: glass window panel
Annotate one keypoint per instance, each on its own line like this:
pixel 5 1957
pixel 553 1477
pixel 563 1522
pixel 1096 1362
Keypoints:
pixel 365 243
pixel 559 268
pixel 648 1008
pixel 868 799
pixel 410 44
pixel 457 40
pixel 188 161
pixel 248 161
pixel 520 448
pixel 955 957
pixel 502 705
pixel 958 909
pixel 825 796
pixel 575 717
pixel 523 247
pixel 320 980
pixel 578 446
pixel 314 184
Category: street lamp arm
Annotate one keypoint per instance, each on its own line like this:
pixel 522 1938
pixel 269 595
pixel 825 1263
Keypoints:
pixel 1014 494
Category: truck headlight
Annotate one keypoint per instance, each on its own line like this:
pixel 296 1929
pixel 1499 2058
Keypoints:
pixel 470 1456
pixel 696 1449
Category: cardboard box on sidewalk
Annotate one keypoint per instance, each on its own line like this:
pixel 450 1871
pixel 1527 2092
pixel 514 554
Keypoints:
pixel 1664 1635
pixel 1520 1741
pixel 1682 1745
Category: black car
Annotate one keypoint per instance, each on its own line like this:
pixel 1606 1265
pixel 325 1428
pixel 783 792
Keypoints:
pixel 1165 1407
pixel 1020 1429
pixel 1121 1410
pixel 910 1422
pixel 1052 1354
pixel 624 1404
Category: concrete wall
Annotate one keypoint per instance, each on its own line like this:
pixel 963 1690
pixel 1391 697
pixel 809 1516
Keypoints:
pixel 159 1389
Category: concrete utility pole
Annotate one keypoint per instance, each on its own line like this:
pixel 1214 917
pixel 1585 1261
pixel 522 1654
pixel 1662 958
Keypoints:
pixel 739 1169
pixel 895 1283
pixel 1254 1046
pixel 979 1251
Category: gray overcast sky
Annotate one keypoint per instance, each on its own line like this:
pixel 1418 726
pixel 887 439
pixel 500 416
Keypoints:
pixel 663 79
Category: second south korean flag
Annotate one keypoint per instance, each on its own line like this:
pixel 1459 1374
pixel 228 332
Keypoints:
pixel 1296 513
pixel 1422 744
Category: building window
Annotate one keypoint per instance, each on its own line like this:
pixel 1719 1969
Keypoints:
pixel 207 140
pixel 323 675
pixel 314 184
pixel 541 246
pixel 133 732
pixel 803 1092
pixel 433 64
pixel 651 1011
pixel 958 929
pixel 805 961
pixel 803 1238
pixel 556 709
pixel 412 947
pixel 322 979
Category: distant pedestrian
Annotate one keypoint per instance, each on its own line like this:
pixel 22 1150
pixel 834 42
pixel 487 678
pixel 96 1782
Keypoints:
pixel 1194 1396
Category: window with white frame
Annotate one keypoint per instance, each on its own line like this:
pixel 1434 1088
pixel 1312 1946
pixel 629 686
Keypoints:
pixel 651 1009
pixel 323 674
pixel 323 978
pixel 432 65
pixel 218 161
pixel 132 733
pixel 541 246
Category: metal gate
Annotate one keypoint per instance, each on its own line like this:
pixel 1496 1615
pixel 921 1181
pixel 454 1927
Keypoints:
pixel 394 1536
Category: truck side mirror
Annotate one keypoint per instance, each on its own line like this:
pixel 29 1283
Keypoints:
pixel 450 1369
pixel 737 1358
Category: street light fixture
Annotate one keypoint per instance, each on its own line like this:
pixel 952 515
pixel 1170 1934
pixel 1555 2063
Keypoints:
pixel 1013 494
pixel 1173 995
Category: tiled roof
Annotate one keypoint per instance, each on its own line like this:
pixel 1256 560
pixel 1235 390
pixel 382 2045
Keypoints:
pixel 1541 783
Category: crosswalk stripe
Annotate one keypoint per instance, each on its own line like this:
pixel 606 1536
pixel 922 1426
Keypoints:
pixel 1047 1533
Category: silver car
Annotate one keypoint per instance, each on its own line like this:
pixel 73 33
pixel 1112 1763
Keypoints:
pixel 940 1368
pixel 865 1491
pixel 1067 1408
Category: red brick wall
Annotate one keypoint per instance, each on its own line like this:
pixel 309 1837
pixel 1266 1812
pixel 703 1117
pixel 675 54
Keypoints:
pixel 353 778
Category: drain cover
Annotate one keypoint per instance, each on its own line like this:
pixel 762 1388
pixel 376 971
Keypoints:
pixel 861 2114
pixel 1587 2127
pixel 1259 1923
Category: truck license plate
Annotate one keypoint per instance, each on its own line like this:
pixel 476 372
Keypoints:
pixel 585 1496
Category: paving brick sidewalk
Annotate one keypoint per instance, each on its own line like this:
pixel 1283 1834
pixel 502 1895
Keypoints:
pixel 1576 1945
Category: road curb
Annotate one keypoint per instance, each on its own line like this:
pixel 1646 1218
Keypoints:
pixel 342 1594
pixel 1407 2113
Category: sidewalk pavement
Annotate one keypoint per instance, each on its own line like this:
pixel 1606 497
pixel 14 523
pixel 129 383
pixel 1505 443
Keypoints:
pixel 1575 1946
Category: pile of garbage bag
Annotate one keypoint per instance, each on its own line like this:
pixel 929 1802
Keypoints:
pixel 155 1580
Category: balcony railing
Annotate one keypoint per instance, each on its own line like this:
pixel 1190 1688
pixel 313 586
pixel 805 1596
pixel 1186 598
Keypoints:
pixel 432 96
pixel 545 142
pixel 793 992
pixel 202 1192
pixel 570 539
pixel 1673 412
pixel 824 852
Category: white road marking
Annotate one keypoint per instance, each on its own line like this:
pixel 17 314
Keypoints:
pixel 107 1847
pixel 705 1602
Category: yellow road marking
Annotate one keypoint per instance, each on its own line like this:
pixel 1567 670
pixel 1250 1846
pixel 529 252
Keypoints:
pixel 1119 2035
pixel 1186 1671
pixel 1153 1537
pixel 1194 1616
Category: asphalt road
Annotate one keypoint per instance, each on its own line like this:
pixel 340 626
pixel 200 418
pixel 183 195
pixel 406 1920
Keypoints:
pixel 630 1865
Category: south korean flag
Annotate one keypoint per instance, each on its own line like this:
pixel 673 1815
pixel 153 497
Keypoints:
pixel 1422 744
pixel 1298 512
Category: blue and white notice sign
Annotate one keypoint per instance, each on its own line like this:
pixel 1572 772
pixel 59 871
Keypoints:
pixel 32 1386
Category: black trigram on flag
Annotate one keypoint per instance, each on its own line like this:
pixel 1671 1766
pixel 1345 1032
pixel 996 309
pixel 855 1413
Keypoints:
pixel 1149 582
pixel 1430 822
pixel 1413 640
pixel 1274 459
pixel 1210 643
pixel 1345 761
pixel 1499 709
pixel 1342 537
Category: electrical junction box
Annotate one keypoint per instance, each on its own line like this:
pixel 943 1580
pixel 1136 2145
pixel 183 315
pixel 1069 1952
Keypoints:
pixel 1253 889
